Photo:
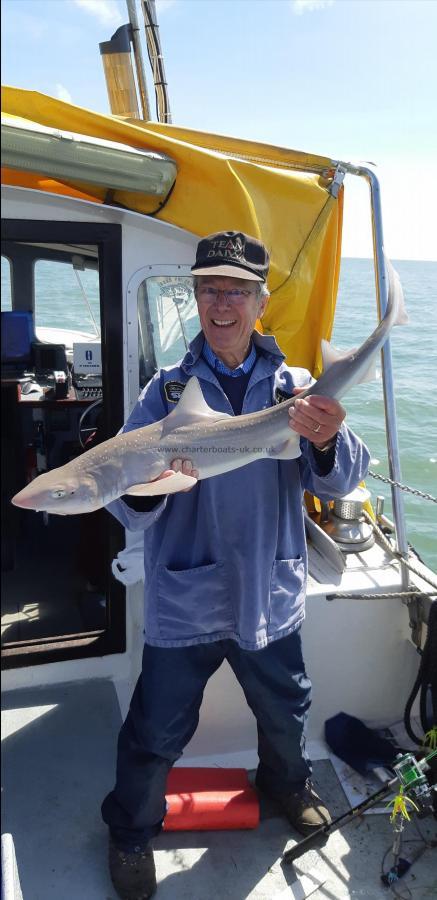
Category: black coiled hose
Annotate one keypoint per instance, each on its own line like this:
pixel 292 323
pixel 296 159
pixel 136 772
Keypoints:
pixel 426 682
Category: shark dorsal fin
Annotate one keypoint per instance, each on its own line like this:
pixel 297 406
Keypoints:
pixel 191 408
pixel 331 354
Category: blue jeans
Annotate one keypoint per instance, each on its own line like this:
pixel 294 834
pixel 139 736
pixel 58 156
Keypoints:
pixel 164 714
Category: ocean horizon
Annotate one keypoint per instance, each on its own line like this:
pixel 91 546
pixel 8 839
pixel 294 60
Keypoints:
pixel 393 259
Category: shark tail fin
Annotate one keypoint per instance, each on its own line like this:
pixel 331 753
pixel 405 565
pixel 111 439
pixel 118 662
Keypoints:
pixel 395 286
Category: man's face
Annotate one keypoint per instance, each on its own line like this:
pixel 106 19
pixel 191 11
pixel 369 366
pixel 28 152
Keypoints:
pixel 228 310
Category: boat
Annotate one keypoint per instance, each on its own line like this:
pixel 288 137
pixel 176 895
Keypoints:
pixel 123 200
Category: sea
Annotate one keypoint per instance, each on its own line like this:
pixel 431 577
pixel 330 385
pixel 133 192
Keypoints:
pixel 414 362
pixel 414 354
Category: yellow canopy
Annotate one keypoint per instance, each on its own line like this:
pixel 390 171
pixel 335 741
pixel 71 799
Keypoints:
pixel 227 184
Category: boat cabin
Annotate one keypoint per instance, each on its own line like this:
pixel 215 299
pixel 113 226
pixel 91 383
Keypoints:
pixel 73 353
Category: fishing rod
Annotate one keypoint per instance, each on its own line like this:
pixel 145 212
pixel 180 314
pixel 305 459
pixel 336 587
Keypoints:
pixel 411 776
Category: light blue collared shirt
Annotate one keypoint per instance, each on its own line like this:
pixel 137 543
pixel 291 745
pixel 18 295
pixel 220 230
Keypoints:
pixel 219 366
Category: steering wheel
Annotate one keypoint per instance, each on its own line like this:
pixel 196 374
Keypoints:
pixel 84 432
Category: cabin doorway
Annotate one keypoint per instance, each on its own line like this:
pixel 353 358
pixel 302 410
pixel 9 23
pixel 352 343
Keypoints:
pixel 62 392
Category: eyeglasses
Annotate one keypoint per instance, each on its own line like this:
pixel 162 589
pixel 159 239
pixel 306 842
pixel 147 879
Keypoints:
pixel 234 295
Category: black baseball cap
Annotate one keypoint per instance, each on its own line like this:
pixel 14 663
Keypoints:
pixel 232 253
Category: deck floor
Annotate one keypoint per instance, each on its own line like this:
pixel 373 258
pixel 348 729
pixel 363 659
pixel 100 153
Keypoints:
pixel 59 749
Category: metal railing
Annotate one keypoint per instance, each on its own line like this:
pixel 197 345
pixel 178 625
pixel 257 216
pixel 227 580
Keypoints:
pixel 381 284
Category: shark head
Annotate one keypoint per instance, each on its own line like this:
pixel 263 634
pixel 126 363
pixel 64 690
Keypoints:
pixel 61 493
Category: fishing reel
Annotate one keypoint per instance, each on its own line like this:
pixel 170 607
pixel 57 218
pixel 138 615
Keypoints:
pixel 412 774
pixel 413 778
pixel 414 794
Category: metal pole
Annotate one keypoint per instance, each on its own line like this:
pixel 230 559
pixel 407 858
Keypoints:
pixel 381 282
pixel 139 64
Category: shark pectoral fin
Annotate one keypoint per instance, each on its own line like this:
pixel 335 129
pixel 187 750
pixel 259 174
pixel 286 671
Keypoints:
pixel 192 408
pixel 171 484
pixel 288 450
pixel 152 488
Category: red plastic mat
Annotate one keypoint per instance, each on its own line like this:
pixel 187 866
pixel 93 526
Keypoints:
pixel 210 799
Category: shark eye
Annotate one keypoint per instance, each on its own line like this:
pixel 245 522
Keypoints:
pixel 57 493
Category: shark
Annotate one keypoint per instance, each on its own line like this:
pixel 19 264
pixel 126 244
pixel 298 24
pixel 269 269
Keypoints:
pixel 216 443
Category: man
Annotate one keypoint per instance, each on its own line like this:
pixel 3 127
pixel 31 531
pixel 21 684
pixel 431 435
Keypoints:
pixel 225 565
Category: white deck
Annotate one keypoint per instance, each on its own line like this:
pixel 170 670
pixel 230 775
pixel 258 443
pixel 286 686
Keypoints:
pixel 60 744
pixel 59 752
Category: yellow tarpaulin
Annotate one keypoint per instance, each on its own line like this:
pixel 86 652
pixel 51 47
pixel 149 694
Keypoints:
pixel 227 184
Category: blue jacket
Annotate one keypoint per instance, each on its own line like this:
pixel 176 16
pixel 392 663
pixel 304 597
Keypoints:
pixel 228 559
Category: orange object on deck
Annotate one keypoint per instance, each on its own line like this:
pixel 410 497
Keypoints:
pixel 209 800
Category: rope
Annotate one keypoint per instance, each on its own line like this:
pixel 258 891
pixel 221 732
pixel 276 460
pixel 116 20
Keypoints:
pixel 413 594
pixel 343 595
pixel 406 562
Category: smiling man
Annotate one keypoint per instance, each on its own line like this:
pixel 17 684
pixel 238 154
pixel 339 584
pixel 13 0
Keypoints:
pixel 226 565
pixel 228 308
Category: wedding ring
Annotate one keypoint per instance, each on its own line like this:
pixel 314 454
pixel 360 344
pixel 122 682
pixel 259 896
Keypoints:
pixel 317 428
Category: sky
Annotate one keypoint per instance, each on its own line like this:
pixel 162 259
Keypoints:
pixel 351 79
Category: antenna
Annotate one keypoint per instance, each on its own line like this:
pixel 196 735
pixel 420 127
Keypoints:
pixel 139 63
pixel 156 61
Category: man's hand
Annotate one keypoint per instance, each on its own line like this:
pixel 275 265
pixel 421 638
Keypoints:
pixel 316 418
pixel 180 465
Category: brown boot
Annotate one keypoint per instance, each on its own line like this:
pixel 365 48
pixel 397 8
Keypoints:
pixel 304 809
pixel 133 874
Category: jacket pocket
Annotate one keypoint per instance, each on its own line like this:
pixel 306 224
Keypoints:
pixel 287 592
pixel 193 602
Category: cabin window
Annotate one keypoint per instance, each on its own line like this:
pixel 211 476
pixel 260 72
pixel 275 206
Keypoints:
pixel 6 284
pixel 67 295
pixel 167 321
pixel 59 598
